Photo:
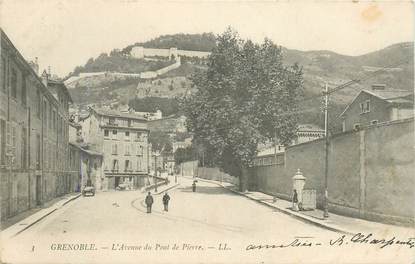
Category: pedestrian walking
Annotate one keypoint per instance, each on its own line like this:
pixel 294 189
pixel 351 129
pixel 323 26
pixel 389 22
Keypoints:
pixel 194 186
pixel 166 199
pixel 295 200
pixel 149 202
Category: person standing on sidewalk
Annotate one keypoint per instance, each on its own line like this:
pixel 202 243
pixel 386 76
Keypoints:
pixel 149 202
pixel 295 200
pixel 166 199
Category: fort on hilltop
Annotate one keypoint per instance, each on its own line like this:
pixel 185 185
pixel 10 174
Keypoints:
pixel 140 52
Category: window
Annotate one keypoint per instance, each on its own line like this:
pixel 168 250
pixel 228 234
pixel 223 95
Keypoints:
pixel 54 119
pixel 373 122
pixel 14 84
pixel 127 135
pixel 38 153
pixel 127 149
pixel 129 123
pixel 114 149
pixel 127 165
pixel 24 99
pixel 3 73
pixel 14 141
pixel 114 134
pixel 24 148
pixel 139 168
pixel 365 107
pixel 111 121
pixel 356 126
pixel 115 165
pixel 45 113
pixel 2 142
pixel 140 150
pixel 39 103
pixel 106 133
pixel 50 117
pixel 138 136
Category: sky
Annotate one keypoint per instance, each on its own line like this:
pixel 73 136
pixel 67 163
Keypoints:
pixel 65 33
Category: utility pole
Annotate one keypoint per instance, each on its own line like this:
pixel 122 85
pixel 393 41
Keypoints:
pixel 155 171
pixel 326 164
pixel 275 145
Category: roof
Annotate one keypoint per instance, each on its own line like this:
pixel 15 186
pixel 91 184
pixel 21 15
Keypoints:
pixel 309 127
pixel 114 113
pixel 40 84
pixel 81 146
pixel 390 96
pixel 64 88
pixel 269 151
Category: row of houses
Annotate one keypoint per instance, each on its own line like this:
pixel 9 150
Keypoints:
pixel 45 154
pixel 377 105
pixel 35 164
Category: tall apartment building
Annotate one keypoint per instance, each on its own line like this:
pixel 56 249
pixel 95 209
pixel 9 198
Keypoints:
pixel 123 140
pixel 34 150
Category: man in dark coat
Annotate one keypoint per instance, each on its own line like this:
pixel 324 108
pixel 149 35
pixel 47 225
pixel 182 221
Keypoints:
pixel 149 202
pixel 295 200
pixel 166 199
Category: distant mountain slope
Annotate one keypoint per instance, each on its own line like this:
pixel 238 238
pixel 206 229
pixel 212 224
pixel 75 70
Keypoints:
pixel 319 67
pixel 198 42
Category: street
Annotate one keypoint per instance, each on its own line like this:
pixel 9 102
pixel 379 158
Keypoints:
pixel 210 222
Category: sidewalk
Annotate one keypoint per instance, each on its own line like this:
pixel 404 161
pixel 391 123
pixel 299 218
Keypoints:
pixel 337 223
pixel 15 225
pixel 161 185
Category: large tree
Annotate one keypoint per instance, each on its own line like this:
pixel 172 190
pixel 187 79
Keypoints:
pixel 160 142
pixel 246 96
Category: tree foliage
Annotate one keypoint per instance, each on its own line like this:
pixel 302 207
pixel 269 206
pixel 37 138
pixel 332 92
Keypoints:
pixel 198 42
pixel 160 141
pixel 168 106
pixel 246 96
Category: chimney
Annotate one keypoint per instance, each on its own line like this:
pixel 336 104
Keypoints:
pixel 35 66
pixel 378 87
pixel 45 78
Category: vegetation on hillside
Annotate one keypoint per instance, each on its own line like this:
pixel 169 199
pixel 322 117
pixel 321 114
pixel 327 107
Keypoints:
pixel 116 62
pixel 167 106
pixel 318 67
pixel 198 42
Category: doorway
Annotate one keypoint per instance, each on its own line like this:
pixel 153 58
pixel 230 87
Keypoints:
pixel 38 190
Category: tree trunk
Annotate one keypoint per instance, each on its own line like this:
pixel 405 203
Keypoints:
pixel 243 180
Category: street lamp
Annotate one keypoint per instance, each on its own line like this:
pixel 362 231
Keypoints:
pixel 326 149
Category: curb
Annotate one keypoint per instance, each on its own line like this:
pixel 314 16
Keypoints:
pixel 171 187
pixel 71 199
pixel 34 222
pixel 45 215
pixel 299 216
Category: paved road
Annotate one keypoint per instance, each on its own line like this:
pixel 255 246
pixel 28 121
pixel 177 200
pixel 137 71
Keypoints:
pixel 197 224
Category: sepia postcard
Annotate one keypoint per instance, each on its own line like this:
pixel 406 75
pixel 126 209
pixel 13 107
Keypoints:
pixel 196 131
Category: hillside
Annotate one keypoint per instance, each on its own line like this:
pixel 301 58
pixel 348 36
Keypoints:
pixel 199 42
pixel 318 67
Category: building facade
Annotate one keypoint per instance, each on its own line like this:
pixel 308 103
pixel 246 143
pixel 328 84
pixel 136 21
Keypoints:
pixel 123 140
pixel 34 151
pixel 377 105
pixel 88 164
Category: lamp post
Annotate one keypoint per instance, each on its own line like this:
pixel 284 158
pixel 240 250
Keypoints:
pixel 155 171
pixel 326 167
